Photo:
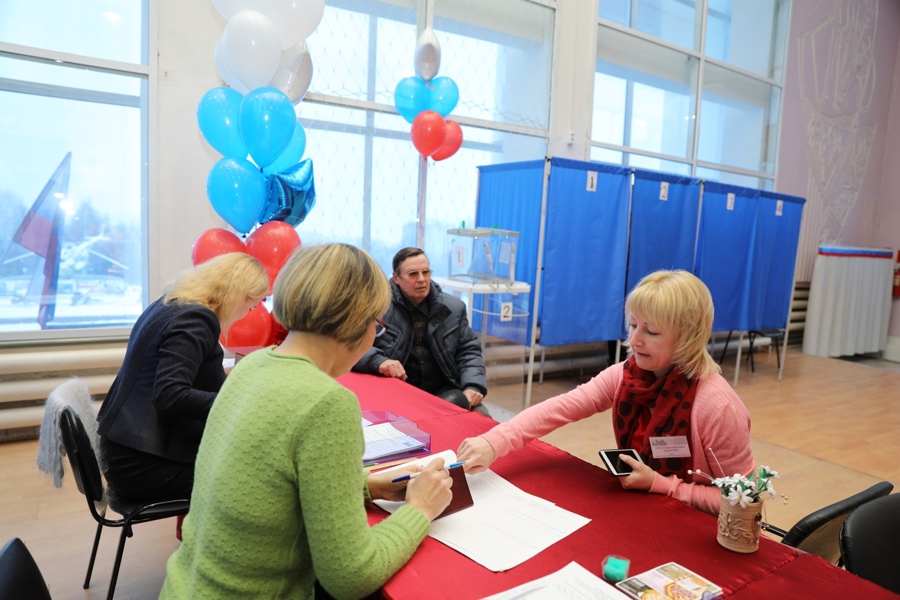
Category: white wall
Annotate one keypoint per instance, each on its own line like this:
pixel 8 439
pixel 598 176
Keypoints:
pixel 187 34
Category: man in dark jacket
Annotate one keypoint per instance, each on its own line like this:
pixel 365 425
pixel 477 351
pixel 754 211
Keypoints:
pixel 428 342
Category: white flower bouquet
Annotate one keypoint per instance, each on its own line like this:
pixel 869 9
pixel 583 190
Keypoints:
pixel 742 490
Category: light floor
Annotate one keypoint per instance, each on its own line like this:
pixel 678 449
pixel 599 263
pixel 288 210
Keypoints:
pixel 830 428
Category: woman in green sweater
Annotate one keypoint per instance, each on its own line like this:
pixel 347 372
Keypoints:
pixel 278 498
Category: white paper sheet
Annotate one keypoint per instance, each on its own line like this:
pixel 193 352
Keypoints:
pixel 505 527
pixel 572 582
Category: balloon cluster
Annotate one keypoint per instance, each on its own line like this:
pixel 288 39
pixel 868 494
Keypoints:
pixel 425 100
pixel 264 44
pixel 271 244
pixel 262 55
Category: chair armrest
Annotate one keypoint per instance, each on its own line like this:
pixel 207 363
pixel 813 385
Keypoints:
pixel 774 530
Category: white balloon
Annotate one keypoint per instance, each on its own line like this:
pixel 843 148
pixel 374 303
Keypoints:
pixel 294 20
pixel 225 71
pixel 252 48
pixel 294 73
pixel 428 55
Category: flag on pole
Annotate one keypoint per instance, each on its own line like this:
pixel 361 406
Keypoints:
pixel 41 233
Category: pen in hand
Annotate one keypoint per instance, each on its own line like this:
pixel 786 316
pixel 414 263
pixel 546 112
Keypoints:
pixel 414 475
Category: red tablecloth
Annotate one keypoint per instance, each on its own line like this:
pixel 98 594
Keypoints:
pixel 648 529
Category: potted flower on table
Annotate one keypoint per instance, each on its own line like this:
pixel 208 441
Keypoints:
pixel 740 511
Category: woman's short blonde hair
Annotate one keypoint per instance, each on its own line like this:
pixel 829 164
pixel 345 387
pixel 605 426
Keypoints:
pixel 678 302
pixel 333 290
pixel 222 284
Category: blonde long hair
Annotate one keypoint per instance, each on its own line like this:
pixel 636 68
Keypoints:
pixel 679 302
pixel 221 284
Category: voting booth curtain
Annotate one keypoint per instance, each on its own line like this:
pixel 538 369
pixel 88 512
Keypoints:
pixel 603 232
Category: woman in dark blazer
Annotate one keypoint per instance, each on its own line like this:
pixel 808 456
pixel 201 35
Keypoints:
pixel 153 416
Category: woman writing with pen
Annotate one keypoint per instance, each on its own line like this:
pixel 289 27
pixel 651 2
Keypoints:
pixel 668 389
pixel 278 503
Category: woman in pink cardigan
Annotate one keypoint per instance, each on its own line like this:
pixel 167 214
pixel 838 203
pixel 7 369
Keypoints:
pixel 668 389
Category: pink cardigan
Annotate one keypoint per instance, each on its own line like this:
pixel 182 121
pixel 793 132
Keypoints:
pixel 719 420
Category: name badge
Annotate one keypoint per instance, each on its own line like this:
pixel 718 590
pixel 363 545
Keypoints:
pixel 674 446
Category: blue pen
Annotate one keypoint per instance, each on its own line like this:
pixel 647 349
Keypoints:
pixel 414 475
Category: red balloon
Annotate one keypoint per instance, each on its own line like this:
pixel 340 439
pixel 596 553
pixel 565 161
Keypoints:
pixel 452 142
pixel 428 132
pixel 279 332
pixel 214 242
pixel 255 329
pixel 272 244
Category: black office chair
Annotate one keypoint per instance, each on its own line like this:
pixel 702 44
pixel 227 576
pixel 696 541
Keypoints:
pixel 869 542
pixel 819 533
pixel 86 471
pixel 20 576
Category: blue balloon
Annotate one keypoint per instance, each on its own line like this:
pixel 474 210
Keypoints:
pixel 266 124
pixel 217 115
pixel 292 154
pixel 237 191
pixel 411 97
pixel 290 195
pixel 444 95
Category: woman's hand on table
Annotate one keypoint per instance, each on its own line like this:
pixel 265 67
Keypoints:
pixel 477 453
pixel 641 477
pixel 381 486
pixel 430 491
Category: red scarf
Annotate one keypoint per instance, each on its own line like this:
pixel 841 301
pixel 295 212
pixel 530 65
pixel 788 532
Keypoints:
pixel 648 407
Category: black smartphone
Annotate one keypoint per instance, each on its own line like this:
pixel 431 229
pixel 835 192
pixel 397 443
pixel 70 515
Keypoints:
pixel 615 465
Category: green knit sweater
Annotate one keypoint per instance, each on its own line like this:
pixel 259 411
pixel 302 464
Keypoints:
pixel 278 498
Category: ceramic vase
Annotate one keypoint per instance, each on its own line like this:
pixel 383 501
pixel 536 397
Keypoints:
pixel 739 528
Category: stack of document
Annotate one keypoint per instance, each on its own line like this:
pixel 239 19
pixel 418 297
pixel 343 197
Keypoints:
pixel 386 440
pixel 505 527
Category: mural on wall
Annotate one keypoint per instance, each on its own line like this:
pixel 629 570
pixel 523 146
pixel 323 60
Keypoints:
pixel 837 84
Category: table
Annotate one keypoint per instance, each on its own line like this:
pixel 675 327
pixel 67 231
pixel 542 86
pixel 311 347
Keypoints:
pixel 648 529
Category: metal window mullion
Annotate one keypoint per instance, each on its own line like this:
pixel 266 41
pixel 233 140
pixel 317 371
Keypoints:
pixel 68 93
pixel 149 122
pixel 391 110
pixel 369 139
pixel 735 170
pixel 66 59
pixel 701 72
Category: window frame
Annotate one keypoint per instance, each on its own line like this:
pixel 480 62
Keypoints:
pixel 768 180
pixel 147 74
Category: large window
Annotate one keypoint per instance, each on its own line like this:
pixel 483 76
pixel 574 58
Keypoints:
pixel 659 100
pixel 370 186
pixel 73 155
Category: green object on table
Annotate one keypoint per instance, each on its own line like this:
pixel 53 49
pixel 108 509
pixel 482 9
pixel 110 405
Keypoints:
pixel 615 569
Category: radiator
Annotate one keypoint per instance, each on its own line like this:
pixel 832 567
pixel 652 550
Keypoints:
pixel 27 378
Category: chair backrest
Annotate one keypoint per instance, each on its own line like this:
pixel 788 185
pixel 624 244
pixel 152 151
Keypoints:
pixel 20 576
pixel 84 464
pixel 819 533
pixel 869 542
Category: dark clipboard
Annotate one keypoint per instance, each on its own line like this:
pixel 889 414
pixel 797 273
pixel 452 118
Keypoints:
pixel 462 496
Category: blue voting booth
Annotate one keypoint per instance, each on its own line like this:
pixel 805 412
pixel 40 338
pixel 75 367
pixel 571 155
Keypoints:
pixel 592 231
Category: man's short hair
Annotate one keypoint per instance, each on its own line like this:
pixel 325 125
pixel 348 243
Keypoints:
pixel 403 255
